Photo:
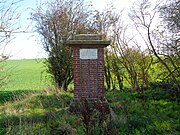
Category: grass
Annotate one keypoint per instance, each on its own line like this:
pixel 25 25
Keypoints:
pixel 44 112
pixel 25 111
pixel 145 117
pixel 26 75
pixel 36 109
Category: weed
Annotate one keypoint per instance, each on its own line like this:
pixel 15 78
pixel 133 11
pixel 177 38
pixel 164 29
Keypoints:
pixel 96 117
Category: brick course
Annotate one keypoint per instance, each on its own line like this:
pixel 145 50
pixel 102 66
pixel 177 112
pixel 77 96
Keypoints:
pixel 96 72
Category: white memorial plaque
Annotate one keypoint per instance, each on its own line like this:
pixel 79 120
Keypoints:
pixel 88 54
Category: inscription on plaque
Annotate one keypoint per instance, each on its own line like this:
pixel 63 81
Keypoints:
pixel 88 53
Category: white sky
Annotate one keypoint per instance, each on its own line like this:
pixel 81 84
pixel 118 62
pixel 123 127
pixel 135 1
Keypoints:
pixel 26 46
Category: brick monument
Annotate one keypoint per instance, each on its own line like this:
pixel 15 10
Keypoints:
pixel 88 61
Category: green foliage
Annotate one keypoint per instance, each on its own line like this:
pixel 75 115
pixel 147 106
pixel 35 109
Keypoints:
pixel 59 64
pixel 149 116
pixel 130 68
pixel 164 90
pixel 45 113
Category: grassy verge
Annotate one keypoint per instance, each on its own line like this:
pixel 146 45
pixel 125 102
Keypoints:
pixel 45 113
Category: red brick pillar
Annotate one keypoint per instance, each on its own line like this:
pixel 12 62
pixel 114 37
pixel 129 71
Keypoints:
pixel 88 60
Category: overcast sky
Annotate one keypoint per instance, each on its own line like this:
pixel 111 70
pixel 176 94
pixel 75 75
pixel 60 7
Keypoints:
pixel 26 45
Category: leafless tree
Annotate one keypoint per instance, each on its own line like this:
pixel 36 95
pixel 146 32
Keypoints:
pixel 143 15
pixel 135 62
pixel 169 35
pixel 62 20
pixel 8 24
pixel 105 22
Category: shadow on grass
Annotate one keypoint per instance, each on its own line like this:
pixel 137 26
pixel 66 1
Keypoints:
pixel 49 102
pixel 32 119
pixel 53 108
pixel 6 96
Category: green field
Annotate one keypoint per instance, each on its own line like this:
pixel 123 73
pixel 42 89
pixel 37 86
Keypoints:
pixel 28 106
pixel 26 75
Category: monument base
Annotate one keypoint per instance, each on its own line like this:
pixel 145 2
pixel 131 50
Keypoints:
pixel 78 106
